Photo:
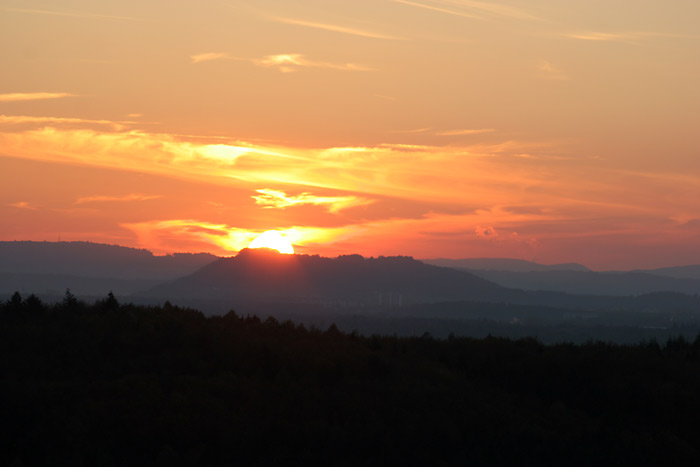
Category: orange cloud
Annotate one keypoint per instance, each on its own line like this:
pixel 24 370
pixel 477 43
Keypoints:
pixel 280 200
pixel 291 62
pixel 191 235
pixel 33 96
pixel 23 205
pixel 102 198
pixel 439 9
pixel 465 132
pixel 549 71
pixel 286 63
pixel 425 199
pixel 335 28
pixel 465 8
pixel 628 37
pixel 62 121
pixel 491 174
pixel 486 232
pixel 209 56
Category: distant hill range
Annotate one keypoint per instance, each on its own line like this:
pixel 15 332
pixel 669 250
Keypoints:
pixel 374 295
pixel 89 268
pixel 354 283
pixel 263 274
pixel 348 282
pixel 681 272
pixel 575 278
pixel 503 264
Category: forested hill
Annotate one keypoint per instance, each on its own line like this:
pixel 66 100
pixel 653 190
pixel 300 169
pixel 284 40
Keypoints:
pixel 356 283
pixel 109 384
pixel 267 274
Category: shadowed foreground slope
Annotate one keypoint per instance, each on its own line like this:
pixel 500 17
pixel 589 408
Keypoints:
pixel 124 385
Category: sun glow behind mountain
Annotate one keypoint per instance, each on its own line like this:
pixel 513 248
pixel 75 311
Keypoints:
pixel 273 240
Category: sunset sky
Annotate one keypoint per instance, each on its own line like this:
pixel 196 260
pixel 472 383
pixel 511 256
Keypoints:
pixel 547 130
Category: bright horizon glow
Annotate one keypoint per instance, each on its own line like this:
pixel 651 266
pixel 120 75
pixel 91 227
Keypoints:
pixel 537 130
pixel 273 240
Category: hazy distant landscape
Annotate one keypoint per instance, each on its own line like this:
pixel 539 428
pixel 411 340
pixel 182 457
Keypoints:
pixel 386 295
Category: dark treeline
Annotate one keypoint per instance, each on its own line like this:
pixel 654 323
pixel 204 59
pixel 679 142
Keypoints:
pixel 110 384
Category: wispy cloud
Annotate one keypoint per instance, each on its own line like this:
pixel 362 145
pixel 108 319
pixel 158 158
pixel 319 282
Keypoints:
pixel 125 198
pixel 410 173
pixel 71 14
pixel 494 9
pixel 335 28
pixel 628 37
pixel 471 9
pixel 440 9
pixel 549 71
pixel 195 235
pixel 458 132
pixel 33 96
pixel 23 205
pixel 209 56
pixel 445 192
pixel 24 119
pixel 416 130
pixel 406 147
pixel 280 200
pixel 465 132
pixel 291 62
pixel 286 63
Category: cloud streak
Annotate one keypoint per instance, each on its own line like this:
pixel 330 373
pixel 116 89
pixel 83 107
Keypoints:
pixel 465 132
pixel 438 9
pixel 626 37
pixel 286 63
pixel 169 235
pixel 549 71
pixel 433 199
pixel 23 205
pixel 33 96
pixel 335 28
pixel 62 121
pixel 210 56
pixel 280 200
pixel 126 198
pixel 71 14
pixel 471 9
pixel 291 62
pixel 475 179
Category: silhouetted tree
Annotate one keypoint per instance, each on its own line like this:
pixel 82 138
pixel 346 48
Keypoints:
pixel 110 303
pixel 69 300
pixel 16 300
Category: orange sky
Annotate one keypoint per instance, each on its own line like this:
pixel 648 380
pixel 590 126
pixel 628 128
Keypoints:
pixel 544 130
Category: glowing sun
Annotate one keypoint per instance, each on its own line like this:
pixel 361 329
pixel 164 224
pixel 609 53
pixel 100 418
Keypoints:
pixel 274 240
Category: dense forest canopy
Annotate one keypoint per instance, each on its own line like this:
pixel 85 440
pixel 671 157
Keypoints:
pixel 113 384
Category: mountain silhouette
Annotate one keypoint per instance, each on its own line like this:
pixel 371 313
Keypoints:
pixel 596 283
pixel 96 260
pixel 503 264
pixel 682 272
pixel 88 268
pixel 263 274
